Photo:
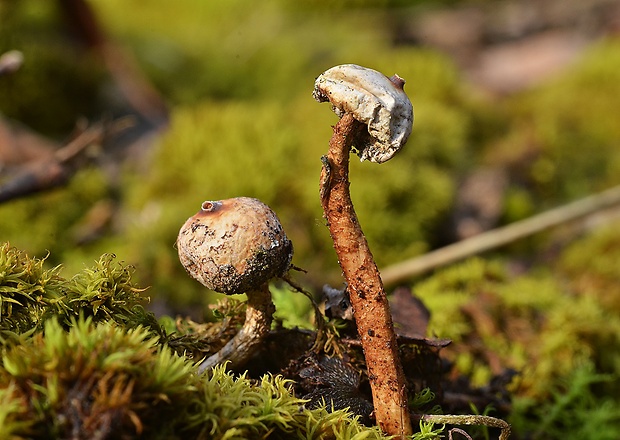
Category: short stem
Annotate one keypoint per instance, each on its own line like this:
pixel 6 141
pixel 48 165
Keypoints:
pixel 370 305
pixel 243 345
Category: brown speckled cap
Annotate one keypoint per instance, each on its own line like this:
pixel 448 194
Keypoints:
pixel 234 246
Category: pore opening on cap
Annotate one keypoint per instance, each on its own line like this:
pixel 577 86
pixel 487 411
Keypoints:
pixel 208 206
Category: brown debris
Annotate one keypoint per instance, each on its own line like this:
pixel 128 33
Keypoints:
pixel 409 313
pixel 507 46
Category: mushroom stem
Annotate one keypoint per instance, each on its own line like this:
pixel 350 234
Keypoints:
pixel 367 295
pixel 258 317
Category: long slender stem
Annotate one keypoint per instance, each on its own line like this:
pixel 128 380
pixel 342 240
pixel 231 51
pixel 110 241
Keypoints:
pixel 367 295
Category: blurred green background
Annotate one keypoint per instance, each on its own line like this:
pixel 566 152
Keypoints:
pixel 236 78
pixel 237 82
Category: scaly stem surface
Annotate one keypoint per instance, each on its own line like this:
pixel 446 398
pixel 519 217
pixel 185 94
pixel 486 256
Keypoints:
pixel 367 295
pixel 243 345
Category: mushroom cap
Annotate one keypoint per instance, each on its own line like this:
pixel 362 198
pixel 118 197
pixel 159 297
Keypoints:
pixel 234 246
pixel 373 99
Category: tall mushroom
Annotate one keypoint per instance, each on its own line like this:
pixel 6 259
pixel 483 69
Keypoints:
pixel 236 246
pixel 376 120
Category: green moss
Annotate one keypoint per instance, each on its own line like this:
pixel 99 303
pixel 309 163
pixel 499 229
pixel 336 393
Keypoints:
pixel 529 323
pixel 106 380
pixel 453 288
pixel 589 264
pixel 293 309
pixel 85 359
pixel 14 417
pixel 30 295
pixel 574 411
pixel 236 408
pixel 27 292
pixel 93 378
pixel 543 327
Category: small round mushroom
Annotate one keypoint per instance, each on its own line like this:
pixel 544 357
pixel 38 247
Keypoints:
pixel 236 246
pixel 373 99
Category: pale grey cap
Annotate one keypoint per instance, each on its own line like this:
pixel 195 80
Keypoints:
pixel 373 99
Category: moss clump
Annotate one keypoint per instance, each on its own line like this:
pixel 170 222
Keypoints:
pixel 561 338
pixel 93 381
pixel 590 265
pixel 574 411
pixel 31 294
pixel 104 381
pixel 82 359
pixel 27 292
pixel 238 408
pixel 530 323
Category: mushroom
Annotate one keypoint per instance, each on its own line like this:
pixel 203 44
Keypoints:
pixel 236 246
pixel 376 118
pixel 373 99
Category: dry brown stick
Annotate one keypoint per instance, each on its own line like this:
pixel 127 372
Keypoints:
pixel 56 170
pixel 51 173
pixel 498 237
pixel 372 313
pixel 474 419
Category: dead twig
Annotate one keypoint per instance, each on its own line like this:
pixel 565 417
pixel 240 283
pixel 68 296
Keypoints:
pixel 473 419
pixel 42 175
pixel 495 238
